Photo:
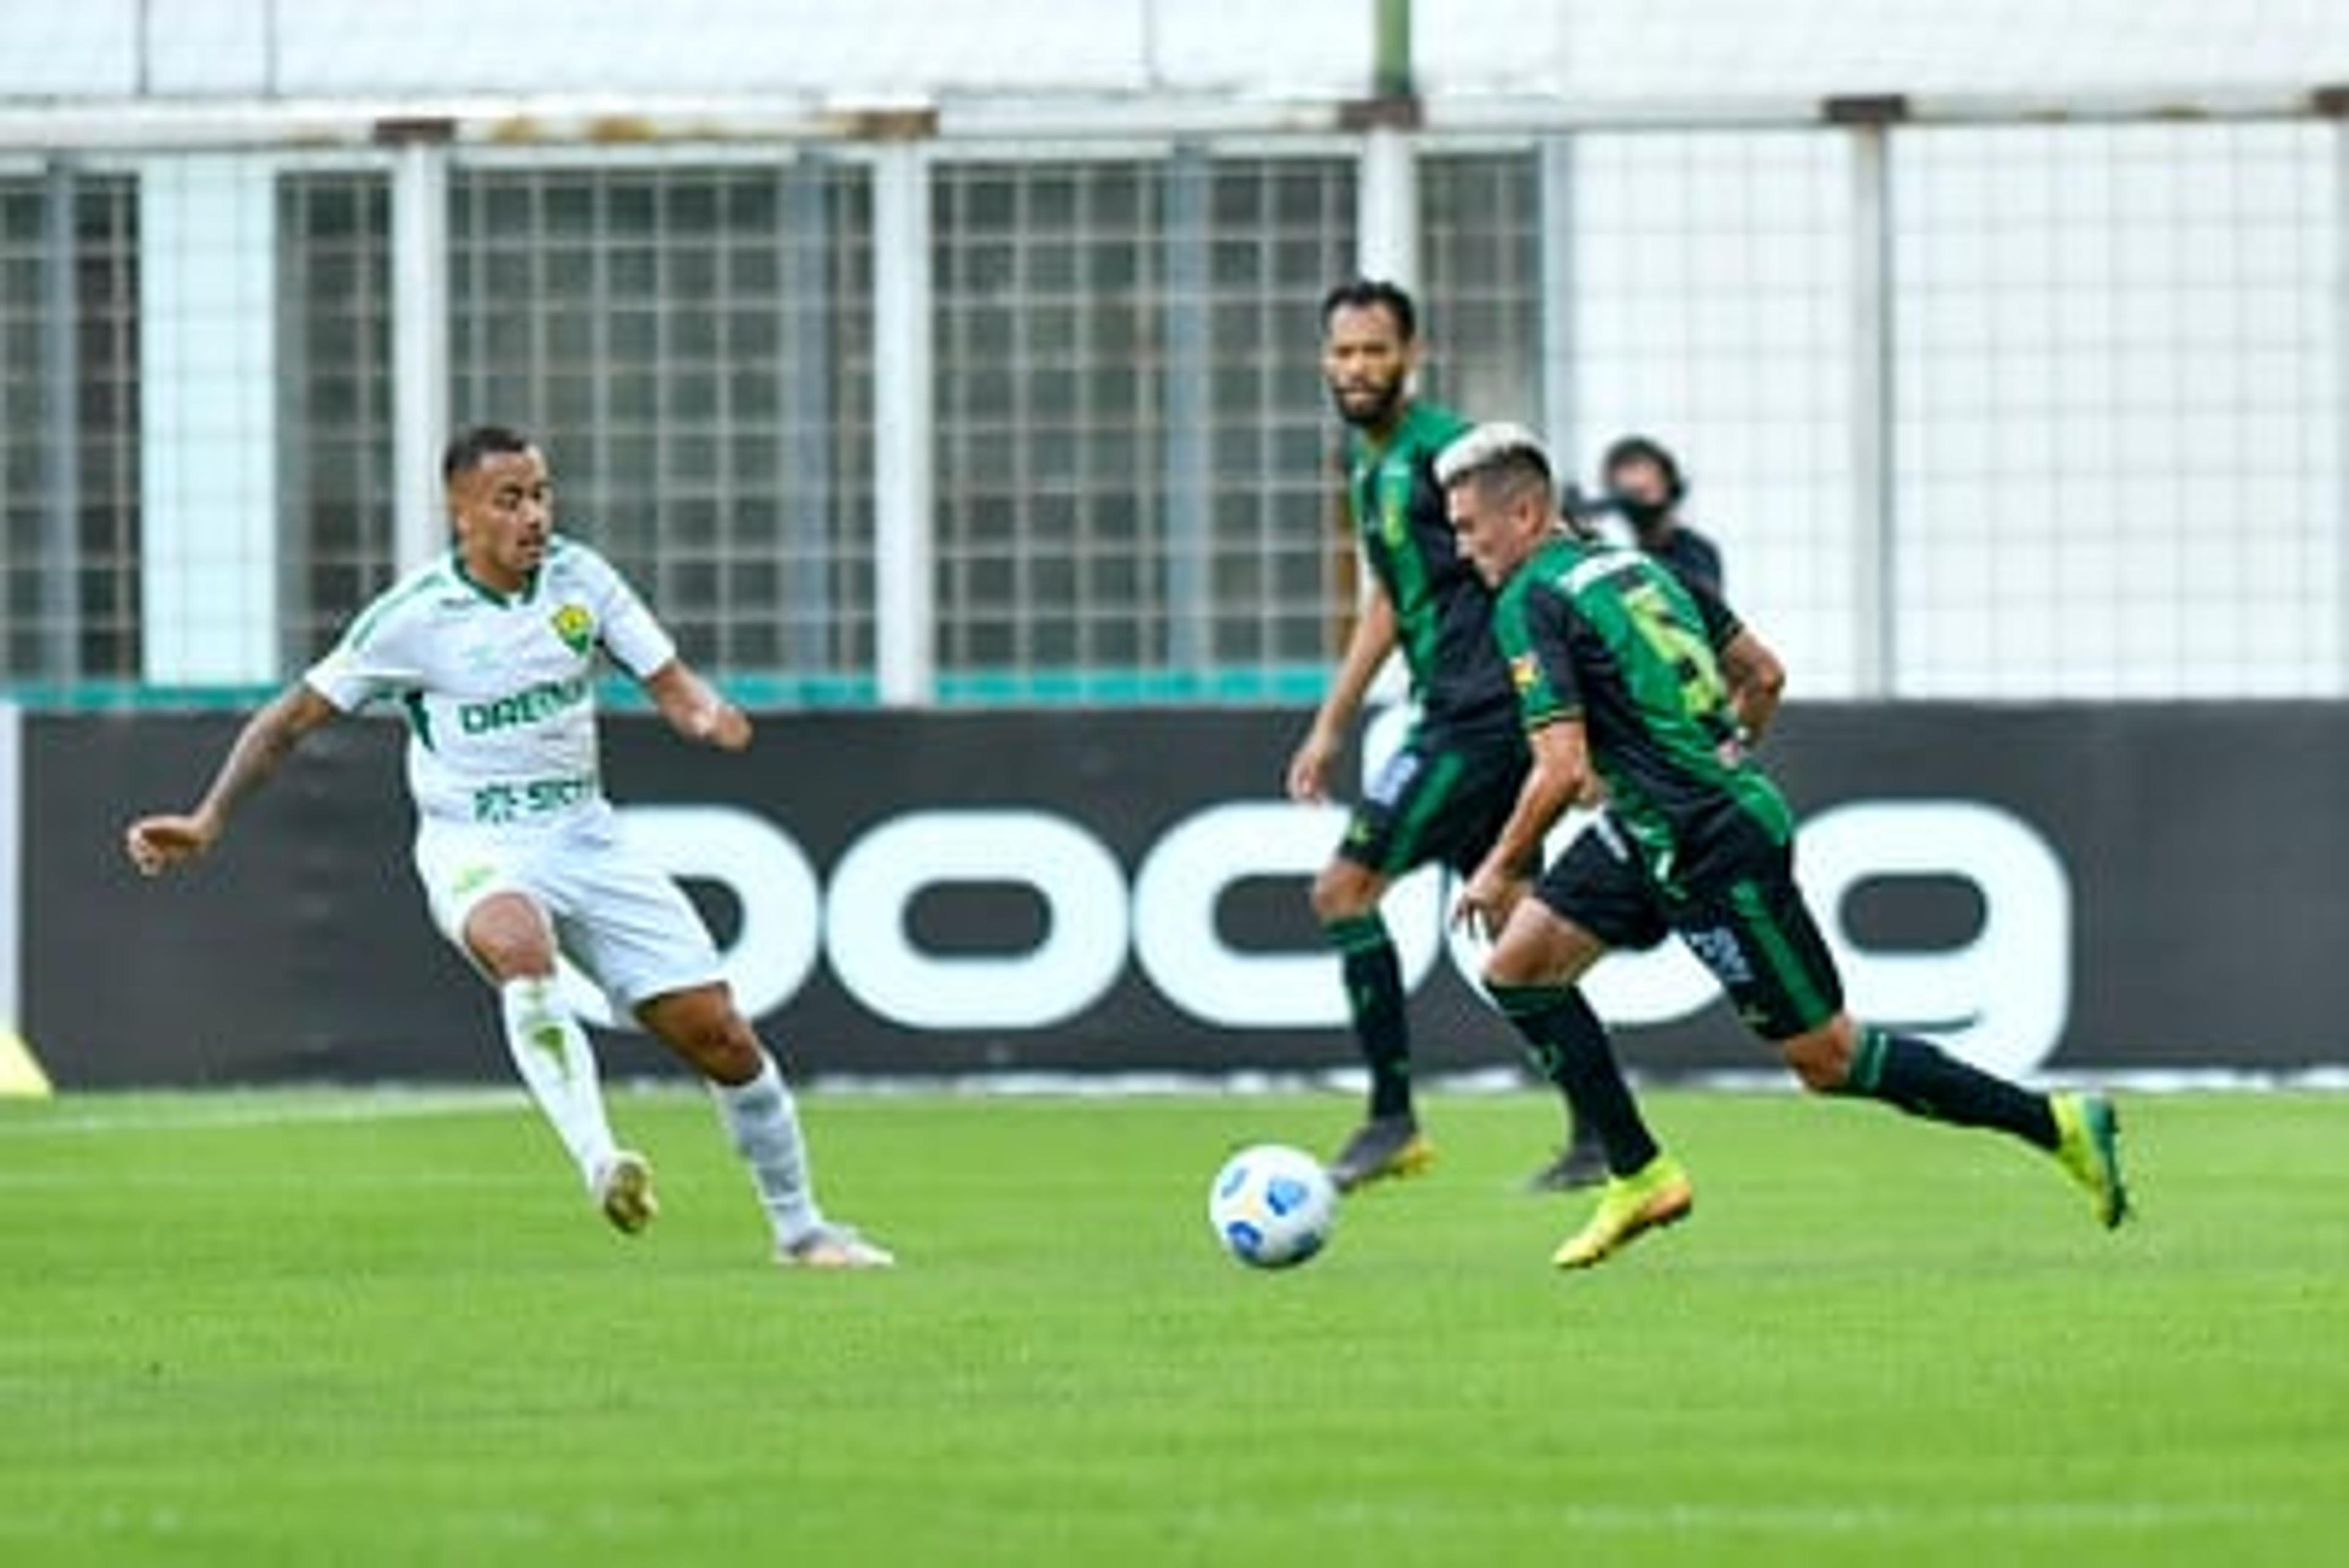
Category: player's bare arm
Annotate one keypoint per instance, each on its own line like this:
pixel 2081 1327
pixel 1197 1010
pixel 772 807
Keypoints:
pixel 1757 680
pixel 1561 776
pixel 157 843
pixel 1373 639
pixel 694 709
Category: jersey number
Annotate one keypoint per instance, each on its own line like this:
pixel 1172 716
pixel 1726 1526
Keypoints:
pixel 1685 650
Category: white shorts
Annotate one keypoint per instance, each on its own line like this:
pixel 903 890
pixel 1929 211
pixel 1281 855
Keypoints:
pixel 616 915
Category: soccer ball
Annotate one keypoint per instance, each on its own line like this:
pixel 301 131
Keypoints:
pixel 1272 1206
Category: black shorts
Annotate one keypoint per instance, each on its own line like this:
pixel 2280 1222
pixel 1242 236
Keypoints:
pixel 1442 796
pixel 1747 922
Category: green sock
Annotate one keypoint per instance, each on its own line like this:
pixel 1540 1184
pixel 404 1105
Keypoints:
pixel 1569 1046
pixel 1374 975
pixel 1926 1081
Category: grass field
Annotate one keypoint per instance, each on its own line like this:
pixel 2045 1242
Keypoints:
pixel 348 1330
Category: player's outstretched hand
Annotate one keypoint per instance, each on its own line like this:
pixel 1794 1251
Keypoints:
pixel 156 844
pixel 723 725
pixel 1308 768
pixel 693 709
pixel 1487 899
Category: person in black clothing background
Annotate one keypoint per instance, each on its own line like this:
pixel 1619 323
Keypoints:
pixel 1645 486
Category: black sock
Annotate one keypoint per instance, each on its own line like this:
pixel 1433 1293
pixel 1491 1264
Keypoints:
pixel 1568 1045
pixel 1926 1081
pixel 1374 995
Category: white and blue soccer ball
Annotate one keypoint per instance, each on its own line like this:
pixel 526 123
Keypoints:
pixel 1272 1206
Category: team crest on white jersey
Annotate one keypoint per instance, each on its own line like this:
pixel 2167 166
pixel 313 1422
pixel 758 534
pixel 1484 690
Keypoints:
pixel 576 626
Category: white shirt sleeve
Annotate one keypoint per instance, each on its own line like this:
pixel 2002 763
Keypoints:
pixel 368 662
pixel 635 642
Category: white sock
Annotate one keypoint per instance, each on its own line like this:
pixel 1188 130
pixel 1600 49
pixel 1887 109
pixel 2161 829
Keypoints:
pixel 764 1122
pixel 552 1052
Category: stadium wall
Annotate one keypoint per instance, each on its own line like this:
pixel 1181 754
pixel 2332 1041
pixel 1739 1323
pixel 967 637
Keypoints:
pixel 2059 888
pixel 1599 48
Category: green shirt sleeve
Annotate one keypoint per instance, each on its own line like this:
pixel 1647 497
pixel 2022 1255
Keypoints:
pixel 1721 622
pixel 1530 622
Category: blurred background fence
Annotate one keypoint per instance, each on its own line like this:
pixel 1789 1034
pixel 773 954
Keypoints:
pixel 941 355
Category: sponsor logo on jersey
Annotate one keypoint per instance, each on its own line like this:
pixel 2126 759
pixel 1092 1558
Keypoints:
pixel 576 626
pixel 523 706
pixel 1525 671
pixel 522 799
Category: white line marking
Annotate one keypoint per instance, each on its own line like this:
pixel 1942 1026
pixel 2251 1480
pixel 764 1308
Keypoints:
pixel 198 1109
pixel 229 1110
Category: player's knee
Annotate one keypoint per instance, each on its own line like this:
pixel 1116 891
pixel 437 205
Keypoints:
pixel 1513 965
pixel 725 1049
pixel 735 1058
pixel 504 962
pixel 508 936
pixel 1821 1057
pixel 1345 892
pixel 704 1027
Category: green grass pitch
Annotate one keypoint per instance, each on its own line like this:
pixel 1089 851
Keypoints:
pixel 341 1329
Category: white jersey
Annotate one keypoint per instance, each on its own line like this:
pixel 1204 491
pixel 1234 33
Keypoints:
pixel 499 690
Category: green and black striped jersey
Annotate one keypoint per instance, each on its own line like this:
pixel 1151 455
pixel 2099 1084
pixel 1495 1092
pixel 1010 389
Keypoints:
pixel 1611 637
pixel 1443 612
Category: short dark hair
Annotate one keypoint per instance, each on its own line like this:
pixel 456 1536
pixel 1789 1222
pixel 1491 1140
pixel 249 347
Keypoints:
pixel 1373 293
pixel 469 446
pixel 1633 449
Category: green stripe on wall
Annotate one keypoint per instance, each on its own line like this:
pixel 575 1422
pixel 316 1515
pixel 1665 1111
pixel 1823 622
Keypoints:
pixel 1268 685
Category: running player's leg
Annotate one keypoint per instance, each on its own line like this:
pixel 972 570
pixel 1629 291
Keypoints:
pixel 1581 1161
pixel 702 1024
pixel 510 940
pixel 1387 835
pixel 1593 899
pixel 1757 935
pixel 480 895
pixel 1346 903
pixel 1531 976
pixel 638 935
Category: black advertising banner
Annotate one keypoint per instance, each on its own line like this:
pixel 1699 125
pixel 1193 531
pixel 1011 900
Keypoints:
pixel 2077 888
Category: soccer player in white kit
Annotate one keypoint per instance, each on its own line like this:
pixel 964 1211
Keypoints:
pixel 491 651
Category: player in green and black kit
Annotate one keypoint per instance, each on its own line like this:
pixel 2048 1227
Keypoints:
pixel 1451 786
pixel 1641 690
